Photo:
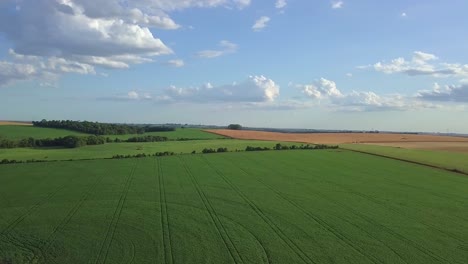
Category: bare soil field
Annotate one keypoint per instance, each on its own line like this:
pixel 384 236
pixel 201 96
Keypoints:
pixel 344 138
pixel 14 123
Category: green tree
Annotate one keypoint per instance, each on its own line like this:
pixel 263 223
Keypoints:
pixel 235 127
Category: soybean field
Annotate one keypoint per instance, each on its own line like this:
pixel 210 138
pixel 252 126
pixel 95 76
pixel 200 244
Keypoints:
pixel 301 206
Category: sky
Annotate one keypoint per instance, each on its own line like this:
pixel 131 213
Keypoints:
pixel 350 64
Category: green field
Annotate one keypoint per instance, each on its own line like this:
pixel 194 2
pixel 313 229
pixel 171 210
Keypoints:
pixel 443 159
pixel 110 149
pixel 310 206
pixel 190 133
pixel 20 132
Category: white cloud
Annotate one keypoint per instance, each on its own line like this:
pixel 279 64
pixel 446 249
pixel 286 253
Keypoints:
pixel 130 96
pixel 447 93
pixel 329 95
pixel 254 89
pixel 421 64
pixel 403 14
pixel 337 4
pixel 280 4
pixel 75 36
pixel 260 23
pixel 349 74
pixel 176 63
pixel 321 88
pixel 226 47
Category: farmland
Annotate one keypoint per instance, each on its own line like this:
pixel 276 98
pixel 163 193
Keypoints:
pixel 288 206
pixel 20 132
pixel 337 138
pixel 443 159
pixel 25 131
pixel 179 133
pixel 111 149
pixel 342 207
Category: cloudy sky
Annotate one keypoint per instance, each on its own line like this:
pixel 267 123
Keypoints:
pixel 351 64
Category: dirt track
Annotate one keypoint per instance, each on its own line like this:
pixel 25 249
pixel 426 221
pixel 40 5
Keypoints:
pixel 337 138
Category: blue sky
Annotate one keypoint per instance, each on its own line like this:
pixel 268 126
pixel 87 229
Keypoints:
pixel 393 65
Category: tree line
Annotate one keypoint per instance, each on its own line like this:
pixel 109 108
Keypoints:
pixel 97 128
pixel 67 142
pixel 72 141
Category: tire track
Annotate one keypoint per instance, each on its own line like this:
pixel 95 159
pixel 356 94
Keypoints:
pixel 51 238
pixel 109 237
pixel 389 207
pixel 291 244
pixel 233 252
pixel 325 225
pixel 166 232
pixel 20 219
pixel 414 244
pixel 409 161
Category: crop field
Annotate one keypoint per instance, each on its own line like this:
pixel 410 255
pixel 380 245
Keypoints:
pixel 336 138
pixel 187 133
pixel 443 159
pixel 111 149
pixel 443 146
pixel 25 131
pixel 15 123
pixel 302 206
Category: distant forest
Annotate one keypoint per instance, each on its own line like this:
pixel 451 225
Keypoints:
pixel 97 128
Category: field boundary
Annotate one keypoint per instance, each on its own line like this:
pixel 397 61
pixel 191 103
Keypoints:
pixel 457 171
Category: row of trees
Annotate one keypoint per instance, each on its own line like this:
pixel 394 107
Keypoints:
pixel 210 150
pixel 97 128
pixel 67 142
pixel 72 141
pixel 143 155
pixel 147 139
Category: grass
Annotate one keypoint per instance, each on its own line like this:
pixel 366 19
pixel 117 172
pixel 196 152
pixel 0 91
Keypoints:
pixel 110 149
pixel 20 132
pixel 442 159
pixel 190 133
pixel 312 206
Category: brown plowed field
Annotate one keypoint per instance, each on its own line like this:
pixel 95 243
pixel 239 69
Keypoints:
pixel 14 123
pixel 396 140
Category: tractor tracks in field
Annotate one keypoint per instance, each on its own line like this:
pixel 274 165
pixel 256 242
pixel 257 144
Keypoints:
pixel 325 225
pixel 409 161
pixel 20 219
pixel 291 244
pixel 318 220
pixel 228 243
pixel 51 238
pixel 109 237
pixel 166 230
pixel 420 248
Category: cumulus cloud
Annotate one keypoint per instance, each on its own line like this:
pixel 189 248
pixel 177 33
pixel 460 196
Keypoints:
pixel 326 91
pixel 280 4
pixel 226 47
pixel 130 96
pixel 79 35
pixel 176 63
pixel 254 89
pixel 447 93
pixel 337 4
pixel 421 64
pixel 321 88
pixel 260 23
